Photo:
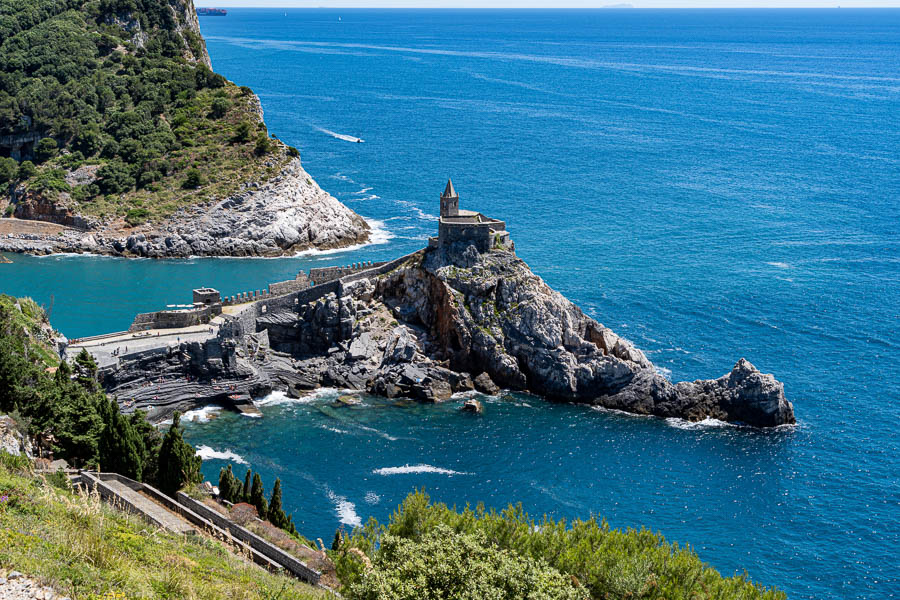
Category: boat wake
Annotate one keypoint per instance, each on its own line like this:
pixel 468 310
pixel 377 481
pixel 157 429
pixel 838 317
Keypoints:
pixel 410 469
pixel 340 136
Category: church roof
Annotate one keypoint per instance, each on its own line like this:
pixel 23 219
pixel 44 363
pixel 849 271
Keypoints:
pixel 449 192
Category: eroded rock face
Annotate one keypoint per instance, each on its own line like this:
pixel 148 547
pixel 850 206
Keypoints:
pixel 445 322
pixel 284 215
pixel 12 441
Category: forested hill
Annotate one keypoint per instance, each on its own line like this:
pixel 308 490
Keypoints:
pixel 109 110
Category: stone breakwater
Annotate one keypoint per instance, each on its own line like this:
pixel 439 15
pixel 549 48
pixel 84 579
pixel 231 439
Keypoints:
pixel 437 322
pixel 284 215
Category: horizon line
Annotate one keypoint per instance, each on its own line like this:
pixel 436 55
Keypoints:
pixel 551 8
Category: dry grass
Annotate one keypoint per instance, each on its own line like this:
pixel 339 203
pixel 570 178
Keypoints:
pixel 87 550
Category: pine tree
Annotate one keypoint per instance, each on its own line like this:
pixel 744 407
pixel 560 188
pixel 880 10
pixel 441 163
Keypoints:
pixel 178 463
pixel 245 495
pixel 276 514
pixel 258 498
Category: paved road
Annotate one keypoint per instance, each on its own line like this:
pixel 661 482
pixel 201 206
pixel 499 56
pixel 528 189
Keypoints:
pixel 105 350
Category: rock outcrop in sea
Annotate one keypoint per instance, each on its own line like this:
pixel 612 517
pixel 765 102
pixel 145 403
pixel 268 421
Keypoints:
pixel 440 321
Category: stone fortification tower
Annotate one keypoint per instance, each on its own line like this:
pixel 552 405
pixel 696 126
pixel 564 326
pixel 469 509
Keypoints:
pixel 449 201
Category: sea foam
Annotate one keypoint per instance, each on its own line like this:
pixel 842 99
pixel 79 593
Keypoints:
pixel 207 453
pixel 409 469
pixel 345 510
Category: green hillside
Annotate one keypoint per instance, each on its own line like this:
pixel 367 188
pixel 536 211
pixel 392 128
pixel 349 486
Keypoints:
pixel 89 551
pixel 119 93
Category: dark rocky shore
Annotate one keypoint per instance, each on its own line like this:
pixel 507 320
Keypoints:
pixel 440 321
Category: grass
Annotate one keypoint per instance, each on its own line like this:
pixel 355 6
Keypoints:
pixel 85 549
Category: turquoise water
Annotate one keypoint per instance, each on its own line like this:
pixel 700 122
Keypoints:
pixel 709 184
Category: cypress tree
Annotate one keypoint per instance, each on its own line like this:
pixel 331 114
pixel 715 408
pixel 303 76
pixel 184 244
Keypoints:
pixel 258 498
pixel 245 492
pixel 226 483
pixel 120 447
pixel 276 512
pixel 179 465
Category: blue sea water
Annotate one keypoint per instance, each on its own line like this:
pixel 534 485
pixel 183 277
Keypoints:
pixel 710 184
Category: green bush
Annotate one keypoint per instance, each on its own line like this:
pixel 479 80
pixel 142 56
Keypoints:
pixel 263 145
pixel 608 563
pixel 45 149
pixel 220 108
pixel 445 564
pixel 243 133
pixel 115 178
pixel 50 180
pixel 193 180
pixel 27 170
pixel 8 169
pixel 137 216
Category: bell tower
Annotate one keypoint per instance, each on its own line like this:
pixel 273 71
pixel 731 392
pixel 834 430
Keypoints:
pixel 449 201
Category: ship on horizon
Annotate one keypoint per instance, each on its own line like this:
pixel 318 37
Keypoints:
pixel 212 12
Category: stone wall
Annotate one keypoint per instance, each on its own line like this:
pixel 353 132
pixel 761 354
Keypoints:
pixel 476 234
pixel 326 274
pixel 174 319
pixel 301 282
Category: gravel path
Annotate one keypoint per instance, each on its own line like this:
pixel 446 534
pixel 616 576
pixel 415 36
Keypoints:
pixel 15 586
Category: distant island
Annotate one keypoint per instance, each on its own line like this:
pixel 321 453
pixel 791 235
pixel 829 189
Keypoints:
pixel 211 12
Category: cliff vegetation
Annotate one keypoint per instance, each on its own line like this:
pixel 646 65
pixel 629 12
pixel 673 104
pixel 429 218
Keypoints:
pixel 432 551
pixel 109 110
pixel 65 408
pixel 87 550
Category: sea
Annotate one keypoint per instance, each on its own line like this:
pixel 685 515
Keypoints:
pixel 710 184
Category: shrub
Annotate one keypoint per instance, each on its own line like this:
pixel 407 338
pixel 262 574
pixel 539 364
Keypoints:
pixel 243 132
pixel 219 109
pixel 45 149
pixel 607 562
pixel 115 178
pixel 27 170
pixel 293 152
pixel 50 180
pixel 263 145
pixel 193 180
pixel 137 216
pixel 446 564
pixel 243 513
pixel 8 169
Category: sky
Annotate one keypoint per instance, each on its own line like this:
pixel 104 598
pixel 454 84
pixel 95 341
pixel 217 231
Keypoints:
pixel 550 3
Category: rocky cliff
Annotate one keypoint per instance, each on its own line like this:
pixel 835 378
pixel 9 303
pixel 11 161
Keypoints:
pixel 434 324
pixel 282 215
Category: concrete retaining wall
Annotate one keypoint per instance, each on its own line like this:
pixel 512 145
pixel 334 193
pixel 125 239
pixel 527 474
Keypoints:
pixel 202 516
pixel 274 553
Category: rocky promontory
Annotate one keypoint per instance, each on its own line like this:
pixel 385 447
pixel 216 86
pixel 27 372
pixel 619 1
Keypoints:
pixel 283 215
pixel 434 323
pixel 162 158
